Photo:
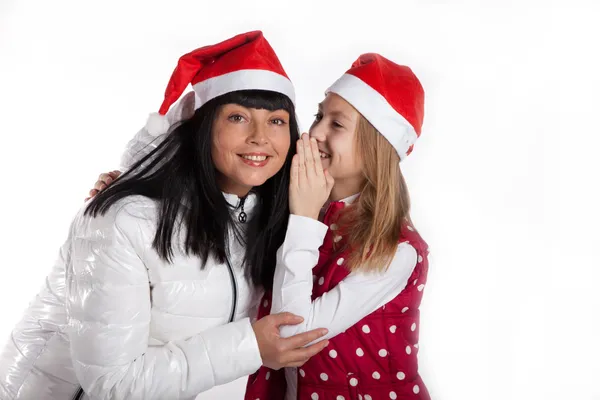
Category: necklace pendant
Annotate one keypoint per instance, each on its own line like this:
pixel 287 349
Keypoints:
pixel 242 217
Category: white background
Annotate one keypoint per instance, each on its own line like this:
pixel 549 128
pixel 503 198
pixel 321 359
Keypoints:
pixel 504 179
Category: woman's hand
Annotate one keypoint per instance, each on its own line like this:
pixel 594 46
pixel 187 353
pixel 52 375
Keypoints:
pixel 310 186
pixel 277 352
pixel 104 180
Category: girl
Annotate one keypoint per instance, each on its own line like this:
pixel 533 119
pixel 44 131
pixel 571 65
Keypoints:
pixel 361 271
pixel 153 292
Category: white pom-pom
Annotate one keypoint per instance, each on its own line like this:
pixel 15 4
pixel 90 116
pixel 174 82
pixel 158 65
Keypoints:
pixel 157 124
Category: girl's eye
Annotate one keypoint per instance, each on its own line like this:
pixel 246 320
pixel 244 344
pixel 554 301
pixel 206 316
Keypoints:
pixel 318 117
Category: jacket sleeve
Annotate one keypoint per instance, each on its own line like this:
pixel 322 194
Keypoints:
pixel 109 311
pixel 143 142
pixel 355 297
pixel 140 145
pixel 35 362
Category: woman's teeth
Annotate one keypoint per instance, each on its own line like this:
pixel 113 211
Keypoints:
pixel 254 158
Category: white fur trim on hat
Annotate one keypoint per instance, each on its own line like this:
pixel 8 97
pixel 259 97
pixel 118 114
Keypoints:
pixel 245 79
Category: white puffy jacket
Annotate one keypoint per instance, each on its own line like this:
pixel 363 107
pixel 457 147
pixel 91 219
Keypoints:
pixel 134 327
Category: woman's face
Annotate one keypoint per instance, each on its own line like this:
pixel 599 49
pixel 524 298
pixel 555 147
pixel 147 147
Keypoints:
pixel 249 146
pixel 335 128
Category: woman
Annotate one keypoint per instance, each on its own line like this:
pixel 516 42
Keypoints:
pixel 162 272
pixel 362 270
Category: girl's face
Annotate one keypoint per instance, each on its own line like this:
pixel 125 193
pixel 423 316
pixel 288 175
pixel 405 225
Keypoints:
pixel 335 129
pixel 249 146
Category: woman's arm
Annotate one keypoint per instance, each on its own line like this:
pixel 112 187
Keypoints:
pixel 109 311
pixel 36 357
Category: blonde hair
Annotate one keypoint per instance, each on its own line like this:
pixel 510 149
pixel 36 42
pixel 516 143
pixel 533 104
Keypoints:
pixel 372 224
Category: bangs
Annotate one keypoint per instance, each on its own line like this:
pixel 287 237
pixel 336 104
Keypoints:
pixel 259 99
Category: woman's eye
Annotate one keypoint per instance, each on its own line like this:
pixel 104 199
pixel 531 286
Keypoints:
pixel 236 118
pixel 318 116
pixel 278 121
pixel 337 124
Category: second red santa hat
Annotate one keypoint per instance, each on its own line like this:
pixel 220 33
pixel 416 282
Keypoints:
pixel 388 95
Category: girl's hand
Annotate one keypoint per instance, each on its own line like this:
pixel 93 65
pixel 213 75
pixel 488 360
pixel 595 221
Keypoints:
pixel 104 180
pixel 310 186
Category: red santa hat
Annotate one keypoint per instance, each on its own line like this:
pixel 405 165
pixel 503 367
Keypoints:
pixel 388 95
pixel 244 62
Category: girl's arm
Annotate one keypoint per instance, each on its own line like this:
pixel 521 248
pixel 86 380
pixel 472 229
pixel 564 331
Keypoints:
pixel 355 297
pixel 143 142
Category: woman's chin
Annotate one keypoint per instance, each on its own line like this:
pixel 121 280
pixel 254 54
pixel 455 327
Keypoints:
pixel 241 185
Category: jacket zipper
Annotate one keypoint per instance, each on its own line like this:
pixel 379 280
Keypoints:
pixel 234 290
pixel 78 394
pixel 242 217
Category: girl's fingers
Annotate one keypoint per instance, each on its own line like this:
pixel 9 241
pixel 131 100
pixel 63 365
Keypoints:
pixel 301 162
pixel 318 167
pixel 308 156
pixel 294 171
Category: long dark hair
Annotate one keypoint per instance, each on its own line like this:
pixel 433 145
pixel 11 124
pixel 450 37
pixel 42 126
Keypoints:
pixel 180 175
